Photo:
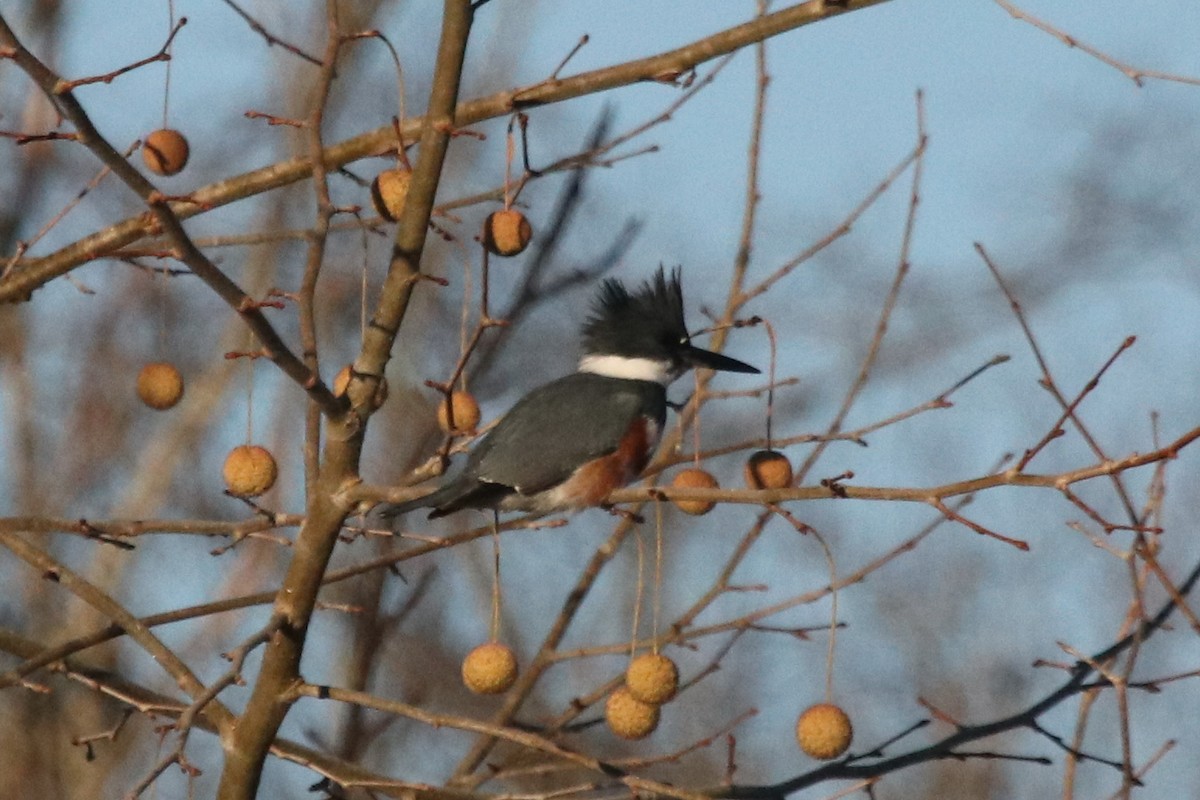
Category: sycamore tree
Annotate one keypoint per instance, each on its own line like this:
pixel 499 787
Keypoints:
pixel 263 269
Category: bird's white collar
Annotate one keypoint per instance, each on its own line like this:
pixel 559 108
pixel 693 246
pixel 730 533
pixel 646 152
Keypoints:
pixel 630 369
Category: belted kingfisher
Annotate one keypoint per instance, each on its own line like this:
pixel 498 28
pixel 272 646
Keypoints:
pixel 567 444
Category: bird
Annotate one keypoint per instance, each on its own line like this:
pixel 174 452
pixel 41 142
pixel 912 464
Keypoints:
pixel 567 444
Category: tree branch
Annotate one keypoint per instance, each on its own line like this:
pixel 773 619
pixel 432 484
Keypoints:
pixel 30 274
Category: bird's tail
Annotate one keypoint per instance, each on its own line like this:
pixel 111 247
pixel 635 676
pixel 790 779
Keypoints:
pixel 434 499
pixel 454 496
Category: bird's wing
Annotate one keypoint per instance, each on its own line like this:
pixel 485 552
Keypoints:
pixel 559 426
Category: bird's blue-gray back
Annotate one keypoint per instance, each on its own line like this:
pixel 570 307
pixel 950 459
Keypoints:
pixel 584 430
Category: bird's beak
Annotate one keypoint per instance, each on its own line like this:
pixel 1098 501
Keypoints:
pixel 698 357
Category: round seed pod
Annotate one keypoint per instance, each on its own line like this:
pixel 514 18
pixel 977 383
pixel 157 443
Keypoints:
pixel 463 414
pixel 249 470
pixel 652 678
pixel 768 469
pixel 694 478
pixel 489 669
pixel 824 731
pixel 341 382
pixel 629 717
pixel 389 190
pixel 506 232
pixel 159 385
pixel 165 151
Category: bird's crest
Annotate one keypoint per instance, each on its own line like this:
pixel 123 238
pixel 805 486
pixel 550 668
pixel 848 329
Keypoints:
pixel 645 322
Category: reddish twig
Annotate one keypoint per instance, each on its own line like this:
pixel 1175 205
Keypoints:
pixel 64 86
pixel 1135 74
pixel 270 38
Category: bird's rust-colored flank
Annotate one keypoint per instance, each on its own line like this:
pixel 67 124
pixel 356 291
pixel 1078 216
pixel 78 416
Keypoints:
pixel 590 484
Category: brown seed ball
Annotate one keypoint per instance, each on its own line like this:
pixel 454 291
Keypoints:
pixel 165 151
pixel 465 412
pixel 824 731
pixel 489 669
pixel 694 478
pixel 506 232
pixel 629 717
pixel 159 385
pixel 341 382
pixel 652 678
pixel 768 469
pixel 389 191
pixel 249 470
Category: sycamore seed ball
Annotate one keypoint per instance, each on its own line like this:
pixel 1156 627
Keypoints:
pixel 694 478
pixel 824 731
pixel 165 151
pixel 159 385
pixel 463 409
pixel 249 470
pixel 768 469
pixel 489 669
pixel 629 717
pixel 389 191
pixel 652 678
pixel 341 382
pixel 506 232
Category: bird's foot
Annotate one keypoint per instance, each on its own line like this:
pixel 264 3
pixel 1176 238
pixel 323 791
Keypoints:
pixel 623 513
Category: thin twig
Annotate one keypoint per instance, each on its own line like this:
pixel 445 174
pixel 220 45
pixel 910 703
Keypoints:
pixel 1135 74
pixel 270 38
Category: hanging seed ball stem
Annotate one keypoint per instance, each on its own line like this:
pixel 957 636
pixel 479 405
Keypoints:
pixel 165 151
pixel 389 190
pixel 824 731
pixel 159 385
pixel 694 478
pixel 768 469
pixel 629 717
pixel 652 678
pixel 506 232
pixel 463 409
pixel 249 470
pixel 489 669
